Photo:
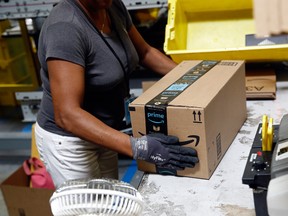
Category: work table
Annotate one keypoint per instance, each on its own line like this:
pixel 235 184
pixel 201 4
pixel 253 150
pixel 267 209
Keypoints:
pixel 224 193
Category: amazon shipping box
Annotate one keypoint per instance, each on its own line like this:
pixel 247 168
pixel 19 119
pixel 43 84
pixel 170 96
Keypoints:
pixel 203 102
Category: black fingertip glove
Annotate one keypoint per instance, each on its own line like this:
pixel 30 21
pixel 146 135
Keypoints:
pixel 164 151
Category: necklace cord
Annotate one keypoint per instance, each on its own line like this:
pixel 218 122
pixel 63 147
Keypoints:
pixel 104 20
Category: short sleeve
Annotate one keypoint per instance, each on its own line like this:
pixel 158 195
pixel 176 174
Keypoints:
pixel 65 41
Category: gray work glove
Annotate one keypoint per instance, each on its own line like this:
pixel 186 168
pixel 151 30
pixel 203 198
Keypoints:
pixel 163 151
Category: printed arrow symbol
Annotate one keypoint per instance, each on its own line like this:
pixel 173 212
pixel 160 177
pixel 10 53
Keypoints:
pixel 195 115
pixel 199 115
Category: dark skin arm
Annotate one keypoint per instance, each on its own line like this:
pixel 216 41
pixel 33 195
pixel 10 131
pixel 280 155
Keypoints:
pixel 67 88
pixel 67 93
pixel 150 57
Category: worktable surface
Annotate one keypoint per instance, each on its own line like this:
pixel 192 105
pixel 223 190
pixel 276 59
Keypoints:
pixel 223 193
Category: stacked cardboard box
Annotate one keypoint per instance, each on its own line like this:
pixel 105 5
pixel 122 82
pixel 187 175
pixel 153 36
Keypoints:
pixel 271 17
pixel 260 83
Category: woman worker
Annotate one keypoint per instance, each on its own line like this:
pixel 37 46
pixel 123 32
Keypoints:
pixel 87 49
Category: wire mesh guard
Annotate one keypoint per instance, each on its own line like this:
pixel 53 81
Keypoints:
pixel 96 197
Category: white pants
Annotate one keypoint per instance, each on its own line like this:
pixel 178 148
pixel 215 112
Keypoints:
pixel 72 158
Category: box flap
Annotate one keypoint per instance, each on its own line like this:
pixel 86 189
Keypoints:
pixel 18 178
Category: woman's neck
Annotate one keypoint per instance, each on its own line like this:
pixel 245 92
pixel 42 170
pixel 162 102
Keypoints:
pixel 99 16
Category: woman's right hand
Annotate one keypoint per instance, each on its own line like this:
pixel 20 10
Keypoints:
pixel 163 151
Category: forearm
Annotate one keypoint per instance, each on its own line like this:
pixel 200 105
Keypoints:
pixel 157 61
pixel 84 125
pixel 150 57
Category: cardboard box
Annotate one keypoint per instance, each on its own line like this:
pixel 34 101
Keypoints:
pixel 20 199
pixel 261 17
pixel 284 15
pixel 147 84
pixel 260 83
pixel 270 17
pixel 200 100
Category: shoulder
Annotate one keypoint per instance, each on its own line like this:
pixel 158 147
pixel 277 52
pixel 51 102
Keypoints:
pixel 63 11
pixel 119 8
pixel 119 4
pixel 120 11
pixel 64 19
pixel 66 11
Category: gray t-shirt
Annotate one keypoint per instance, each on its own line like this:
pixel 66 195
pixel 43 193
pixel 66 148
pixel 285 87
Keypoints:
pixel 67 34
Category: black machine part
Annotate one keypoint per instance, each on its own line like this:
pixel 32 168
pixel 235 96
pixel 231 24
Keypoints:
pixel 279 163
pixel 257 172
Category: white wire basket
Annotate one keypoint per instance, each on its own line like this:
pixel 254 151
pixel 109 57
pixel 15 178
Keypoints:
pixel 101 197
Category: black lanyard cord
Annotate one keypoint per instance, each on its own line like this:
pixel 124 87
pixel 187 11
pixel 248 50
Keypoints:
pixel 110 47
